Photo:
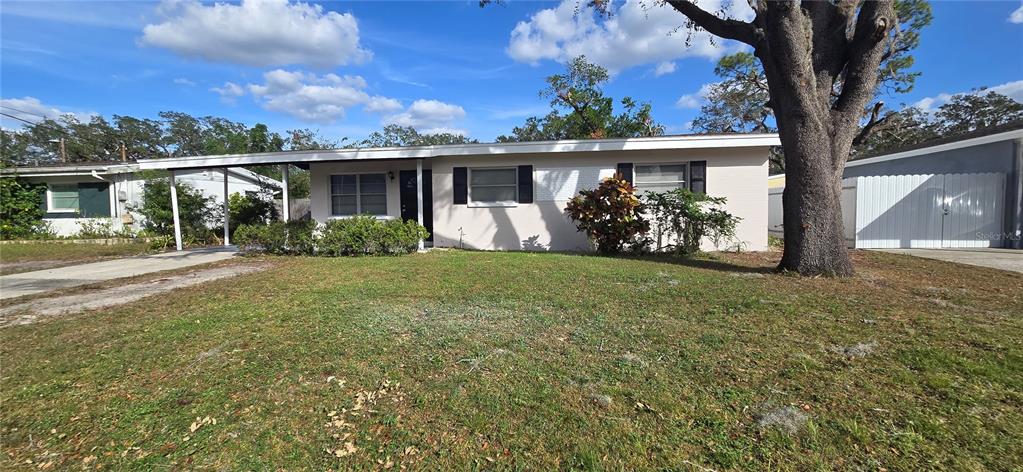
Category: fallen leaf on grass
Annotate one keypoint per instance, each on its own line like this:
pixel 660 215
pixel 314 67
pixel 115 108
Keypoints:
pixel 345 450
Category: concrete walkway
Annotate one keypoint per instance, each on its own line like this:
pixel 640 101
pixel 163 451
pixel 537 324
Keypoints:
pixel 1004 259
pixel 41 281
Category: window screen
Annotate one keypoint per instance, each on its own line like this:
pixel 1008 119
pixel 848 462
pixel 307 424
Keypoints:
pixel 493 185
pixel 660 177
pixel 63 197
pixel 358 194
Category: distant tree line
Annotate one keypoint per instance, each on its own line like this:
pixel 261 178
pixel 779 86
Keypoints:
pixel 738 103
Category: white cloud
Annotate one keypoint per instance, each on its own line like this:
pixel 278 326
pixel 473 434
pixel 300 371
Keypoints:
pixel 382 105
pixel 31 109
pixel 695 100
pixel 664 68
pixel 638 32
pixel 229 92
pixel 316 98
pixel 230 89
pixel 184 81
pixel 1017 15
pixel 430 117
pixel 257 33
pixel 1013 90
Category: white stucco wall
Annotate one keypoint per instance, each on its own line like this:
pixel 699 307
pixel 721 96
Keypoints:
pixel 319 183
pixel 738 174
pixel 126 192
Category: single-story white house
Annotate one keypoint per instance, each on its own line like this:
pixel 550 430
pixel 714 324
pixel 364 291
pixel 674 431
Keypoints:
pixel 954 192
pixel 104 192
pixel 512 196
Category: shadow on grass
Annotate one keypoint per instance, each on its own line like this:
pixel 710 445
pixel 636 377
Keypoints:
pixel 702 262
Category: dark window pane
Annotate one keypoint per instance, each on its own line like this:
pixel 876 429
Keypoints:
pixel 342 205
pixel 493 194
pixel 493 176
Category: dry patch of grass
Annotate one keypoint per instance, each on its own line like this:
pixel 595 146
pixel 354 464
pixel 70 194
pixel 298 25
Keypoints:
pixel 24 257
pixel 535 361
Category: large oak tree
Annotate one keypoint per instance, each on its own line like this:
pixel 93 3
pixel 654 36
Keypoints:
pixel 821 60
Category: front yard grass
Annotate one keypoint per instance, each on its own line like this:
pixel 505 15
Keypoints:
pixel 21 257
pixel 472 360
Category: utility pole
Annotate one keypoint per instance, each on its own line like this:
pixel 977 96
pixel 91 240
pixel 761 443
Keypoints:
pixel 124 152
pixel 63 151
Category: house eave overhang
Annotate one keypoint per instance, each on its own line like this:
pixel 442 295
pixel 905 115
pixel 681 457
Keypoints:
pixel 488 149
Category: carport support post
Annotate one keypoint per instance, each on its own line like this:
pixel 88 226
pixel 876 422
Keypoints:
pixel 227 212
pixel 419 197
pixel 174 211
pixel 285 202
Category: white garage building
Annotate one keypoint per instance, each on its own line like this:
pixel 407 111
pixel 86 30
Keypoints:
pixel 954 193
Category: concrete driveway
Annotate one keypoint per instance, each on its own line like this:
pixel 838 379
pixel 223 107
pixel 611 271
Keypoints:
pixel 41 281
pixel 1004 259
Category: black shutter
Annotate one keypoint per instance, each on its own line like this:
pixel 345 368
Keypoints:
pixel 525 184
pixel 698 176
pixel 461 176
pixel 625 169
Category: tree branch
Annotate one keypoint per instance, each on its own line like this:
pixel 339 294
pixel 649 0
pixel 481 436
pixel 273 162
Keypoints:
pixel 725 28
pixel 873 123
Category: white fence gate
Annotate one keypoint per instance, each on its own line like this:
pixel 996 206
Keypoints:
pixel 930 211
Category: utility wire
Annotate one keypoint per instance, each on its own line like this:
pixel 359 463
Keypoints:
pixel 25 112
pixel 60 130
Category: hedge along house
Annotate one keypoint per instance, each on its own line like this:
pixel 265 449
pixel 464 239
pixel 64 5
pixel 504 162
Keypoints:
pixel 105 192
pixel 512 196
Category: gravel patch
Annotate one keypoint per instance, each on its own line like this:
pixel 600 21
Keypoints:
pixel 856 351
pixel 787 419
pixel 632 359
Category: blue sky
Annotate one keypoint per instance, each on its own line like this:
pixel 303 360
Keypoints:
pixel 348 68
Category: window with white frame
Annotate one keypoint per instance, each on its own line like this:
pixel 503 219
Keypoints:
pixel 353 194
pixel 62 198
pixel 661 177
pixel 493 186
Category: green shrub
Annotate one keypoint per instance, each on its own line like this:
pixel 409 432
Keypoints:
pixel 291 238
pixel 355 236
pixel 101 229
pixel 367 235
pixel 197 213
pixel 611 216
pixel 683 218
pixel 252 208
pixel 21 211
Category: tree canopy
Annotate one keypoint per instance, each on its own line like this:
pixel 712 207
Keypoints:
pixel 174 134
pixel 398 136
pixel 581 110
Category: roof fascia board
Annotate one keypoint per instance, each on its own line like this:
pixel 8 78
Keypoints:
pixel 423 152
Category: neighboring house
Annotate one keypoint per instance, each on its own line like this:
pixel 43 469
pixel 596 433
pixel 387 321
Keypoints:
pixel 104 192
pixel 957 192
pixel 512 196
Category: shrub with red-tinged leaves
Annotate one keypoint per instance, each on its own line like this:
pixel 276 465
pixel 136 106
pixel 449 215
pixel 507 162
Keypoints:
pixel 610 215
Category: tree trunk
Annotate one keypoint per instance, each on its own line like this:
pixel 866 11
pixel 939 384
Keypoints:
pixel 812 209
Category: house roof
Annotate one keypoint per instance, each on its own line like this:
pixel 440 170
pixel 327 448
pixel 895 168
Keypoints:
pixel 983 136
pixel 977 133
pixel 426 152
pixel 105 168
